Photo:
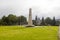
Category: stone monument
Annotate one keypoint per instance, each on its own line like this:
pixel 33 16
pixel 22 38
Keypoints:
pixel 30 19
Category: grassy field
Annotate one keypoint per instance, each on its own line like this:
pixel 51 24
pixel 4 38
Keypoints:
pixel 33 33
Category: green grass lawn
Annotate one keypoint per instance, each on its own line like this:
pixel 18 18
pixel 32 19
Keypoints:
pixel 32 33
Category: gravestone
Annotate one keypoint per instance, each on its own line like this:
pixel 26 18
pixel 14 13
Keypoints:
pixel 30 19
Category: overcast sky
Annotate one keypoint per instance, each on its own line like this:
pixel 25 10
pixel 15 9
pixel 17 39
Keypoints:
pixel 39 7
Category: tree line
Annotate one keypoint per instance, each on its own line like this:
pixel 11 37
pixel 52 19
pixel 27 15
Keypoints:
pixel 13 20
pixel 21 20
pixel 46 21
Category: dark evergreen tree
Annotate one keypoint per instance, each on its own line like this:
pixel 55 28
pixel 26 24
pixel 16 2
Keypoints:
pixel 53 21
pixel 42 22
pixel 48 21
pixel 36 21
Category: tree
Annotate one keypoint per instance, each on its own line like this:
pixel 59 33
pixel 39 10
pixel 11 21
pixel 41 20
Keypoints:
pixel 19 20
pixel 4 20
pixel 36 21
pixel 12 19
pixel 57 23
pixel 53 21
pixel 42 22
pixel 1 22
pixel 22 20
pixel 48 21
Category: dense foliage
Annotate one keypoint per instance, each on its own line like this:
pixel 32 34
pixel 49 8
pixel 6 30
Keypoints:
pixel 21 20
pixel 46 21
pixel 13 20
